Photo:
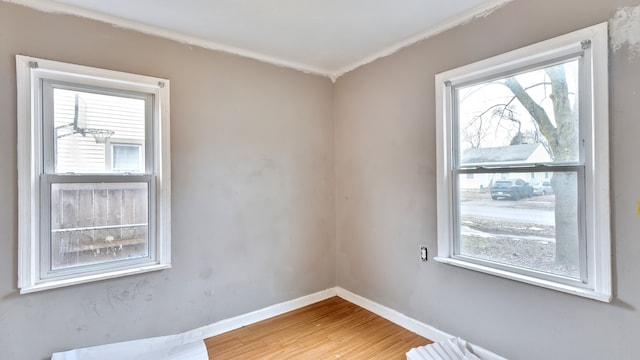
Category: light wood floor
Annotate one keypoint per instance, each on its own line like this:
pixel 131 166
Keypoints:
pixel 330 329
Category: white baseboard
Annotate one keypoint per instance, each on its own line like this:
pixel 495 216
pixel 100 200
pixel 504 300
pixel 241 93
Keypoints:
pixel 406 322
pixel 410 324
pixel 394 316
pixel 237 322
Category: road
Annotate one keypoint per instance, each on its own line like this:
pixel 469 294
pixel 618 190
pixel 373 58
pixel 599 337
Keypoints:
pixel 506 210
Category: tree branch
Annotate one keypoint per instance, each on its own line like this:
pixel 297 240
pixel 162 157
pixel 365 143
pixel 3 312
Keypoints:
pixel 536 111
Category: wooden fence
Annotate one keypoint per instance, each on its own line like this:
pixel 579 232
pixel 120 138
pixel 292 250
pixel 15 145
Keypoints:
pixel 93 223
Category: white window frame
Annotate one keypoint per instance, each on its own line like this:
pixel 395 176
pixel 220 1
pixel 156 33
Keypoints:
pixel 120 142
pixel 31 74
pixel 597 237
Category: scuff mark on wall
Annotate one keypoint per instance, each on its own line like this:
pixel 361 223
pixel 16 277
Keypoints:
pixel 91 308
pixel 206 273
pixel 82 328
pixel 624 29
pixel 128 294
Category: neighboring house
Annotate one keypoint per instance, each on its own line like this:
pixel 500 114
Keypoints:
pixel 512 154
pixel 80 119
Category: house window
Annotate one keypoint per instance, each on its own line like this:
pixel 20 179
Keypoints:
pixel 537 110
pixel 125 157
pixel 91 207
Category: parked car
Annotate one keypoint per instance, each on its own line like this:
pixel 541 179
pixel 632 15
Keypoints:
pixel 541 188
pixel 538 189
pixel 514 189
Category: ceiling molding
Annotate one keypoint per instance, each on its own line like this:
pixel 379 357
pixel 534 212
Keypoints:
pixel 333 74
pixel 60 8
pixel 461 19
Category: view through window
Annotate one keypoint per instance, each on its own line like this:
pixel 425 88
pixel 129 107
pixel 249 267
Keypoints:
pixel 93 223
pixel 519 217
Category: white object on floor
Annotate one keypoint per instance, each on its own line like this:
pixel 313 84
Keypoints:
pixel 451 349
pixel 173 347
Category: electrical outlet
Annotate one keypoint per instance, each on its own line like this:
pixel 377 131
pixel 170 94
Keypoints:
pixel 424 253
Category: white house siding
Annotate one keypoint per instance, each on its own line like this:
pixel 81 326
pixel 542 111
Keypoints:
pixel 539 155
pixel 477 181
pixel 535 154
pixel 81 154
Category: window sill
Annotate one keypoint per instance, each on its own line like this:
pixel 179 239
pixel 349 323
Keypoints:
pixel 89 278
pixel 587 293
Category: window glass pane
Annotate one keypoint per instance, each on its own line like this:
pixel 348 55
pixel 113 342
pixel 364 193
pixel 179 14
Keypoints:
pixel 84 121
pixel 531 224
pixel 126 158
pixel 95 223
pixel 513 119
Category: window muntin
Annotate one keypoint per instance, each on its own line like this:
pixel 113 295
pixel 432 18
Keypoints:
pixel 82 219
pixel 482 131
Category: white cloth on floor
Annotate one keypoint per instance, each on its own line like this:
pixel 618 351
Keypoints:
pixel 173 347
pixel 451 349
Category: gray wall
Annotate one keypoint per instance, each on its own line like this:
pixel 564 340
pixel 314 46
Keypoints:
pixel 253 209
pixel 386 196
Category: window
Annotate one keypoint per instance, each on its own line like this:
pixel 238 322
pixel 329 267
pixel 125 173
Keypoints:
pixel 537 112
pixel 93 174
pixel 125 157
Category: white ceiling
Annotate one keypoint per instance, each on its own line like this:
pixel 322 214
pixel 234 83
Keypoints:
pixel 328 37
